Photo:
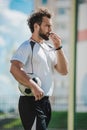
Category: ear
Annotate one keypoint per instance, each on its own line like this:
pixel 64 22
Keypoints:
pixel 36 26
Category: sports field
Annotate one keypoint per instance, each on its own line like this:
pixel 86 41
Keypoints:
pixel 58 121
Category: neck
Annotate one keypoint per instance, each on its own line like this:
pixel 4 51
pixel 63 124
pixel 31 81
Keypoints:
pixel 36 39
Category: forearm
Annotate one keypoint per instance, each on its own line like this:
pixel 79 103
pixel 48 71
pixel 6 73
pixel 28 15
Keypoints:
pixel 21 76
pixel 62 62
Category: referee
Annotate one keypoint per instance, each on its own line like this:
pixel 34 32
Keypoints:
pixel 36 57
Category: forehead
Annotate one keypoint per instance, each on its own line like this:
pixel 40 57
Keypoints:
pixel 47 20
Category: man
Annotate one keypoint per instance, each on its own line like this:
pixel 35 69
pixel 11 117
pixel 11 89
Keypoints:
pixel 35 56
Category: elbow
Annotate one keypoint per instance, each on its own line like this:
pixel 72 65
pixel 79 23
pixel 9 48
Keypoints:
pixel 65 71
pixel 11 70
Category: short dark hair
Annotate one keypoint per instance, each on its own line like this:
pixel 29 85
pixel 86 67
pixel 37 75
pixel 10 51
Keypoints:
pixel 37 17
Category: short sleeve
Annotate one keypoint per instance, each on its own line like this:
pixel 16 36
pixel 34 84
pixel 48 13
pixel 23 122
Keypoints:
pixel 22 52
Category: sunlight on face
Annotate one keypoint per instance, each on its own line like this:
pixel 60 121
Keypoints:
pixel 45 28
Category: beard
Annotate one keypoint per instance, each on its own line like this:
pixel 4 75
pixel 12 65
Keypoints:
pixel 43 36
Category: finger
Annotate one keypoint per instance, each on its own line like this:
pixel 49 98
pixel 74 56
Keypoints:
pixel 41 95
pixel 38 97
pixel 53 35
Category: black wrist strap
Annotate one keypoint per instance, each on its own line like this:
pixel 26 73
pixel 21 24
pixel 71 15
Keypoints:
pixel 58 48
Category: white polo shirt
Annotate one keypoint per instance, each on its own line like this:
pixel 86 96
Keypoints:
pixel 41 60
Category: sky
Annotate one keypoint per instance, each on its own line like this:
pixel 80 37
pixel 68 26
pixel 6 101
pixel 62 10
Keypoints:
pixel 13 31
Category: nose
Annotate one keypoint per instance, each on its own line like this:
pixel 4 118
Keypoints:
pixel 50 29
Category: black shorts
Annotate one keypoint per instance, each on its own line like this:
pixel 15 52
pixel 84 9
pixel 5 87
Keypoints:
pixel 29 109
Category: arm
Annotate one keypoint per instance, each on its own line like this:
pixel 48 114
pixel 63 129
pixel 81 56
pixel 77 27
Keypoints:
pixel 62 62
pixel 19 74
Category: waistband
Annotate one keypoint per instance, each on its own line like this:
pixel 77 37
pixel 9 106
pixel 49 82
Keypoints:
pixel 32 97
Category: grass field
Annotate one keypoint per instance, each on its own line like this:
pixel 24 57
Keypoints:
pixel 58 121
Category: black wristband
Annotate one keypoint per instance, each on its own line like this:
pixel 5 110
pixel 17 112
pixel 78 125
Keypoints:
pixel 58 48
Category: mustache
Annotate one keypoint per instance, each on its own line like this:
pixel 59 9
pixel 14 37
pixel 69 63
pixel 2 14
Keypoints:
pixel 50 33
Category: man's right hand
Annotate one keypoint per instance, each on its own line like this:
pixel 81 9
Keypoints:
pixel 36 90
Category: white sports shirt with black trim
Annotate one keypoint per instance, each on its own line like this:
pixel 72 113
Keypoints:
pixel 43 61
